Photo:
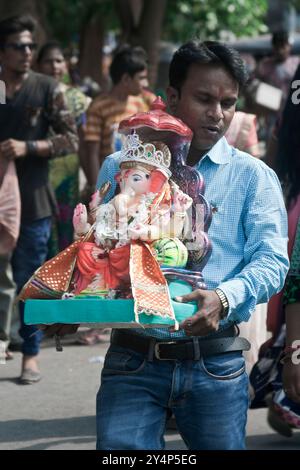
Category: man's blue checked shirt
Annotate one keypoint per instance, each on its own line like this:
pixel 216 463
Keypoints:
pixel 249 260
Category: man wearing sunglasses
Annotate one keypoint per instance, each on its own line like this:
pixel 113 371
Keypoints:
pixel 34 105
pixel 21 46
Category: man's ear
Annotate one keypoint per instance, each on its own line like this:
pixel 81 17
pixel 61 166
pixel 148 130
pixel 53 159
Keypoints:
pixel 125 79
pixel 172 98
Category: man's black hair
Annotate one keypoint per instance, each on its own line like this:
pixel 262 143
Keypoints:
pixel 48 46
pixel 127 59
pixel 15 24
pixel 280 38
pixel 206 53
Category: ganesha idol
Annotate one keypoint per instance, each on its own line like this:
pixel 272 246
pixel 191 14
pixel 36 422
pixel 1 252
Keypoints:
pixel 138 230
pixel 130 249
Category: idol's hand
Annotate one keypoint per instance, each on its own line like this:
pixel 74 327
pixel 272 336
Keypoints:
pixel 181 201
pixel 139 232
pixel 80 219
pixel 95 200
pixel 206 319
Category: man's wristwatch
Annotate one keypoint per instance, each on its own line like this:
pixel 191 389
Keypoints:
pixel 224 302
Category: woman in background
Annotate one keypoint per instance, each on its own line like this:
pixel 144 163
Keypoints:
pixel 283 318
pixel 64 172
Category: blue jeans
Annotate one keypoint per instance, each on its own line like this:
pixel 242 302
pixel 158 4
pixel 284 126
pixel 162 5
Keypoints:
pixel 209 399
pixel 31 251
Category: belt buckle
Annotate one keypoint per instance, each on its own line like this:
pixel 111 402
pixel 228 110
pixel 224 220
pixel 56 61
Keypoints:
pixel 157 352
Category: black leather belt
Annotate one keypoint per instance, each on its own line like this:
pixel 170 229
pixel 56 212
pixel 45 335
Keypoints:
pixel 182 349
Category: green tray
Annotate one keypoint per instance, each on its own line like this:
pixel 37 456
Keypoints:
pixel 111 313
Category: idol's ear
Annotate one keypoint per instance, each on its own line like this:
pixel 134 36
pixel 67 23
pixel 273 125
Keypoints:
pixel 118 177
pixel 172 98
pixel 157 180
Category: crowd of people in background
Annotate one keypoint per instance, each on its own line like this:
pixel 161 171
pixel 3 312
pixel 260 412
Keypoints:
pixel 66 135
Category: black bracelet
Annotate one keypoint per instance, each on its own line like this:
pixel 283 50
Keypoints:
pixel 31 147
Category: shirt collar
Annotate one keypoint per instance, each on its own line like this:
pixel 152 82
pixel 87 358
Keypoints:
pixel 220 153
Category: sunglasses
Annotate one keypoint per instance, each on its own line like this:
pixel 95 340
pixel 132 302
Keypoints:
pixel 21 46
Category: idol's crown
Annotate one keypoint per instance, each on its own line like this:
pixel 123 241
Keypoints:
pixel 134 150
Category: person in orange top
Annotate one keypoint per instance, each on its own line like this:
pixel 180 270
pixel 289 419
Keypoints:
pixel 242 133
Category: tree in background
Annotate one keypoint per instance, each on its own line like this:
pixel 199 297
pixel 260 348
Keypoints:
pixel 33 7
pixel 137 22
pixel 145 22
pixel 141 24
pixel 82 25
pixel 215 19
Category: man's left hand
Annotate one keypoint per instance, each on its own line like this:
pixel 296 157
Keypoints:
pixel 12 149
pixel 59 329
pixel 206 319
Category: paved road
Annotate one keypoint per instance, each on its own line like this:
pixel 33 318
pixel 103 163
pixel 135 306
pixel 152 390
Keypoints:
pixel 59 412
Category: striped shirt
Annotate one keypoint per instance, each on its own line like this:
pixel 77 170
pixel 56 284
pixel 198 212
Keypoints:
pixel 103 118
pixel 249 260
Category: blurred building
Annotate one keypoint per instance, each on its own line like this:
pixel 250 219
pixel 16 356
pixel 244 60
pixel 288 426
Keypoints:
pixel 281 16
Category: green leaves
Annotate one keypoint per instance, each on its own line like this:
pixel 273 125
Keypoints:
pixel 212 19
pixel 67 17
pixel 184 19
